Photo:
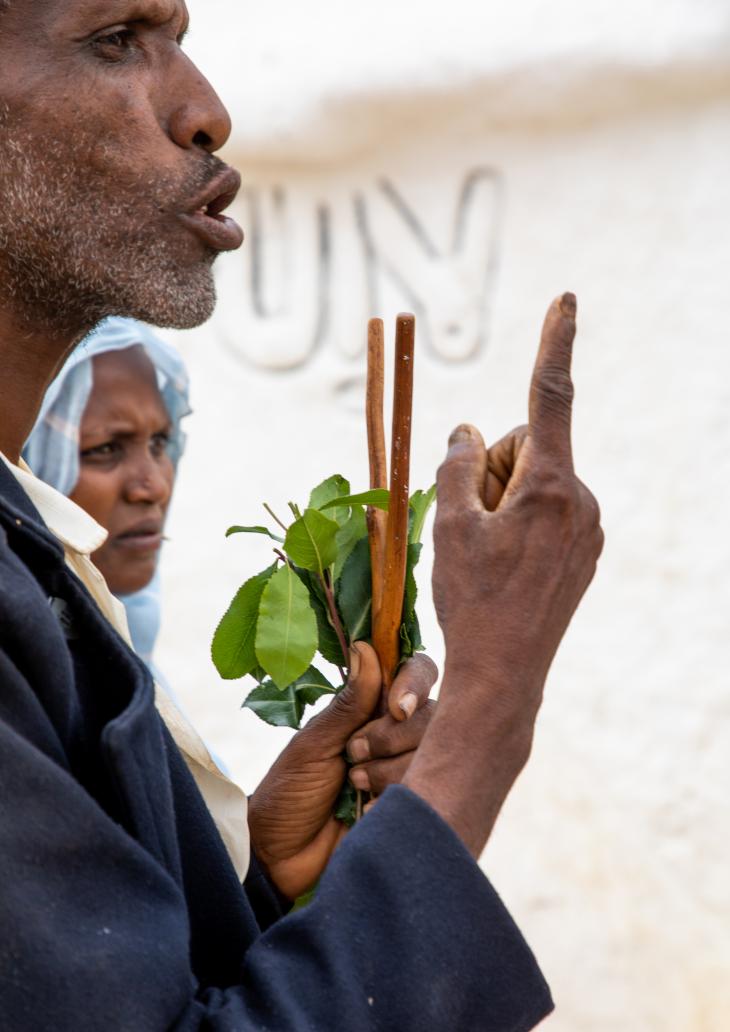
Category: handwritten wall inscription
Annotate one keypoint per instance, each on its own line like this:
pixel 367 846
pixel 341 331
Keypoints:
pixel 313 271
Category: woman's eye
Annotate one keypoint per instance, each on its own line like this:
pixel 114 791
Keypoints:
pixel 159 443
pixel 100 451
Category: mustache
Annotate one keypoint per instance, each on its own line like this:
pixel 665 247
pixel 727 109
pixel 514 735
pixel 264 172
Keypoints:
pixel 208 168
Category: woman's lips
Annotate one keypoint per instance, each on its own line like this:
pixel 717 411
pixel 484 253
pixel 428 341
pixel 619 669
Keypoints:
pixel 143 538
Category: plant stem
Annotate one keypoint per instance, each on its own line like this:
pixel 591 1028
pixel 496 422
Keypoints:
pixel 334 616
pixel 275 517
pixel 377 520
pixel 386 629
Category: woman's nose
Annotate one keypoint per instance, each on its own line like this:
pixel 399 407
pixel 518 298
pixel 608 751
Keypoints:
pixel 149 480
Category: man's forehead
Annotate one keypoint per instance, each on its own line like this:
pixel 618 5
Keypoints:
pixel 107 12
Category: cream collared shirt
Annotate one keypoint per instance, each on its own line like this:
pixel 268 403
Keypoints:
pixel 80 536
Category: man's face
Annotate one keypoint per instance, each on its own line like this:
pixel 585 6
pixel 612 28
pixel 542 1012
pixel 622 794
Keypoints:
pixel 107 134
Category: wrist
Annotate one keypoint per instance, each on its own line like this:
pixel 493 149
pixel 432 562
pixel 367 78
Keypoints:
pixel 478 742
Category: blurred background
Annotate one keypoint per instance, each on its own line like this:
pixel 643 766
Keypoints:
pixel 469 161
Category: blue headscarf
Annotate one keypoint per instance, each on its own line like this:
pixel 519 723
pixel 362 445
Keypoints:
pixel 52 450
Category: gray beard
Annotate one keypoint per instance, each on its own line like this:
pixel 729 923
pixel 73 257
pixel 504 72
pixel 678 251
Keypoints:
pixel 78 244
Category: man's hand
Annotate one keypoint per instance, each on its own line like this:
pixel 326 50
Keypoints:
pixel 293 830
pixel 517 538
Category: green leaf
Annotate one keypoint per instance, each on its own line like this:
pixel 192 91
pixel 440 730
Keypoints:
pixel 420 503
pixel 233 649
pixel 354 592
pixel 333 487
pixel 286 633
pixel 329 643
pixel 378 498
pixel 411 590
pixel 410 632
pixel 286 708
pixel 280 709
pixel 253 530
pixel 348 536
pixel 410 636
pixel 310 541
pixel 346 805
pixel 311 686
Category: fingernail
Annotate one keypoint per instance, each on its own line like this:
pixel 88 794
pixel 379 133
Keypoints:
pixel 354 663
pixel 359 750
pixel 360 780
pixel 568 305
pixel 461 435
pixel 409 704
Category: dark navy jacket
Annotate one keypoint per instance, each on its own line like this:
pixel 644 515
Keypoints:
pixel 119 907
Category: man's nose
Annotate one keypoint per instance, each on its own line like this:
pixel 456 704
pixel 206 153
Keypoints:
pixel 199 118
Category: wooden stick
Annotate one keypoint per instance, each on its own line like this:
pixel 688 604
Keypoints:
pixel 376 452
pixel 386 632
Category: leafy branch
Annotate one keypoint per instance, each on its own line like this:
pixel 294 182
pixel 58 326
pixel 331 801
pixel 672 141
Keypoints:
pixel 346 574
pixel 315 599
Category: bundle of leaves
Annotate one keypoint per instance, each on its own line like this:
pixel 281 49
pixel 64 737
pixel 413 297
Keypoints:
pixel 312 602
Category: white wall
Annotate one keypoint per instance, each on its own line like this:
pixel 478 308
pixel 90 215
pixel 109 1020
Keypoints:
pixel 597 136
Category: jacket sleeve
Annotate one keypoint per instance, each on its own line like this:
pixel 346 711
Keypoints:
pixel 268 904
pixel 404 933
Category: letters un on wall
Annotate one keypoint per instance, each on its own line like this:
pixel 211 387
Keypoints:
pixel 314 270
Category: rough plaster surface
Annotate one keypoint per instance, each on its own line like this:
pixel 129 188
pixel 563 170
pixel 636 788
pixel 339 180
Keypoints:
pixel 613 848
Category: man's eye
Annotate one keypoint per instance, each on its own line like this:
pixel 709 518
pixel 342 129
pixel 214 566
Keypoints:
pixel 117 43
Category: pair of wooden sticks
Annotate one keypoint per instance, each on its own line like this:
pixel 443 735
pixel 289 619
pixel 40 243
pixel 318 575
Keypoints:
pixel 388 532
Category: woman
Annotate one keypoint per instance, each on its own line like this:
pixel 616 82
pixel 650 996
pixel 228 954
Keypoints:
pixel 109 436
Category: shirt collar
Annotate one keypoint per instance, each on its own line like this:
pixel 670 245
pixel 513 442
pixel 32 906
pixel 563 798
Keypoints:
pixel 73 527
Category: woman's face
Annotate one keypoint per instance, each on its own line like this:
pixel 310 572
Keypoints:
pixel 126 476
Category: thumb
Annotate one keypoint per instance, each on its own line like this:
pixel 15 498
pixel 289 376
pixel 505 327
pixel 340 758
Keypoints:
pixel 355 704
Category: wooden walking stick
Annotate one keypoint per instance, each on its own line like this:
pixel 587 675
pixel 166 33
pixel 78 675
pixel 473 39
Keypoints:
pixel 388 615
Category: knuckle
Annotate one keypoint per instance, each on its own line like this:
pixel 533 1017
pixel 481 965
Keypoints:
pixel 343 707
pixel 599 538
pixel 445 472
pixel 551 490
pixel 457 522
pixel 519 434
pixel 590 507
pixel 378 739
pixel 425 669
pixel 383 773
pixel 593 508
pixel 554 389
pixel 377 777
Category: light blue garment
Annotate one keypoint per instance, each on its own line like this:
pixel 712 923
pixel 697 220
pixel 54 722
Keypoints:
pixel 52 450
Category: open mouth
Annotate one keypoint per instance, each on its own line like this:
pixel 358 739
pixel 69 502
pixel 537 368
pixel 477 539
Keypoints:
pixel 207 218
pixel 214 209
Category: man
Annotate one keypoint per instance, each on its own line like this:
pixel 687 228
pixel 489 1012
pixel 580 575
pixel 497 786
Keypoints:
pixel 119 906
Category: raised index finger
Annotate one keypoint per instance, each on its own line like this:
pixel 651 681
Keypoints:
pixel 551 392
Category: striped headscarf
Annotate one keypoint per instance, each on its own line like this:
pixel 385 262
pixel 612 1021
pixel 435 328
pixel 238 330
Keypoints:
pixel 52 450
